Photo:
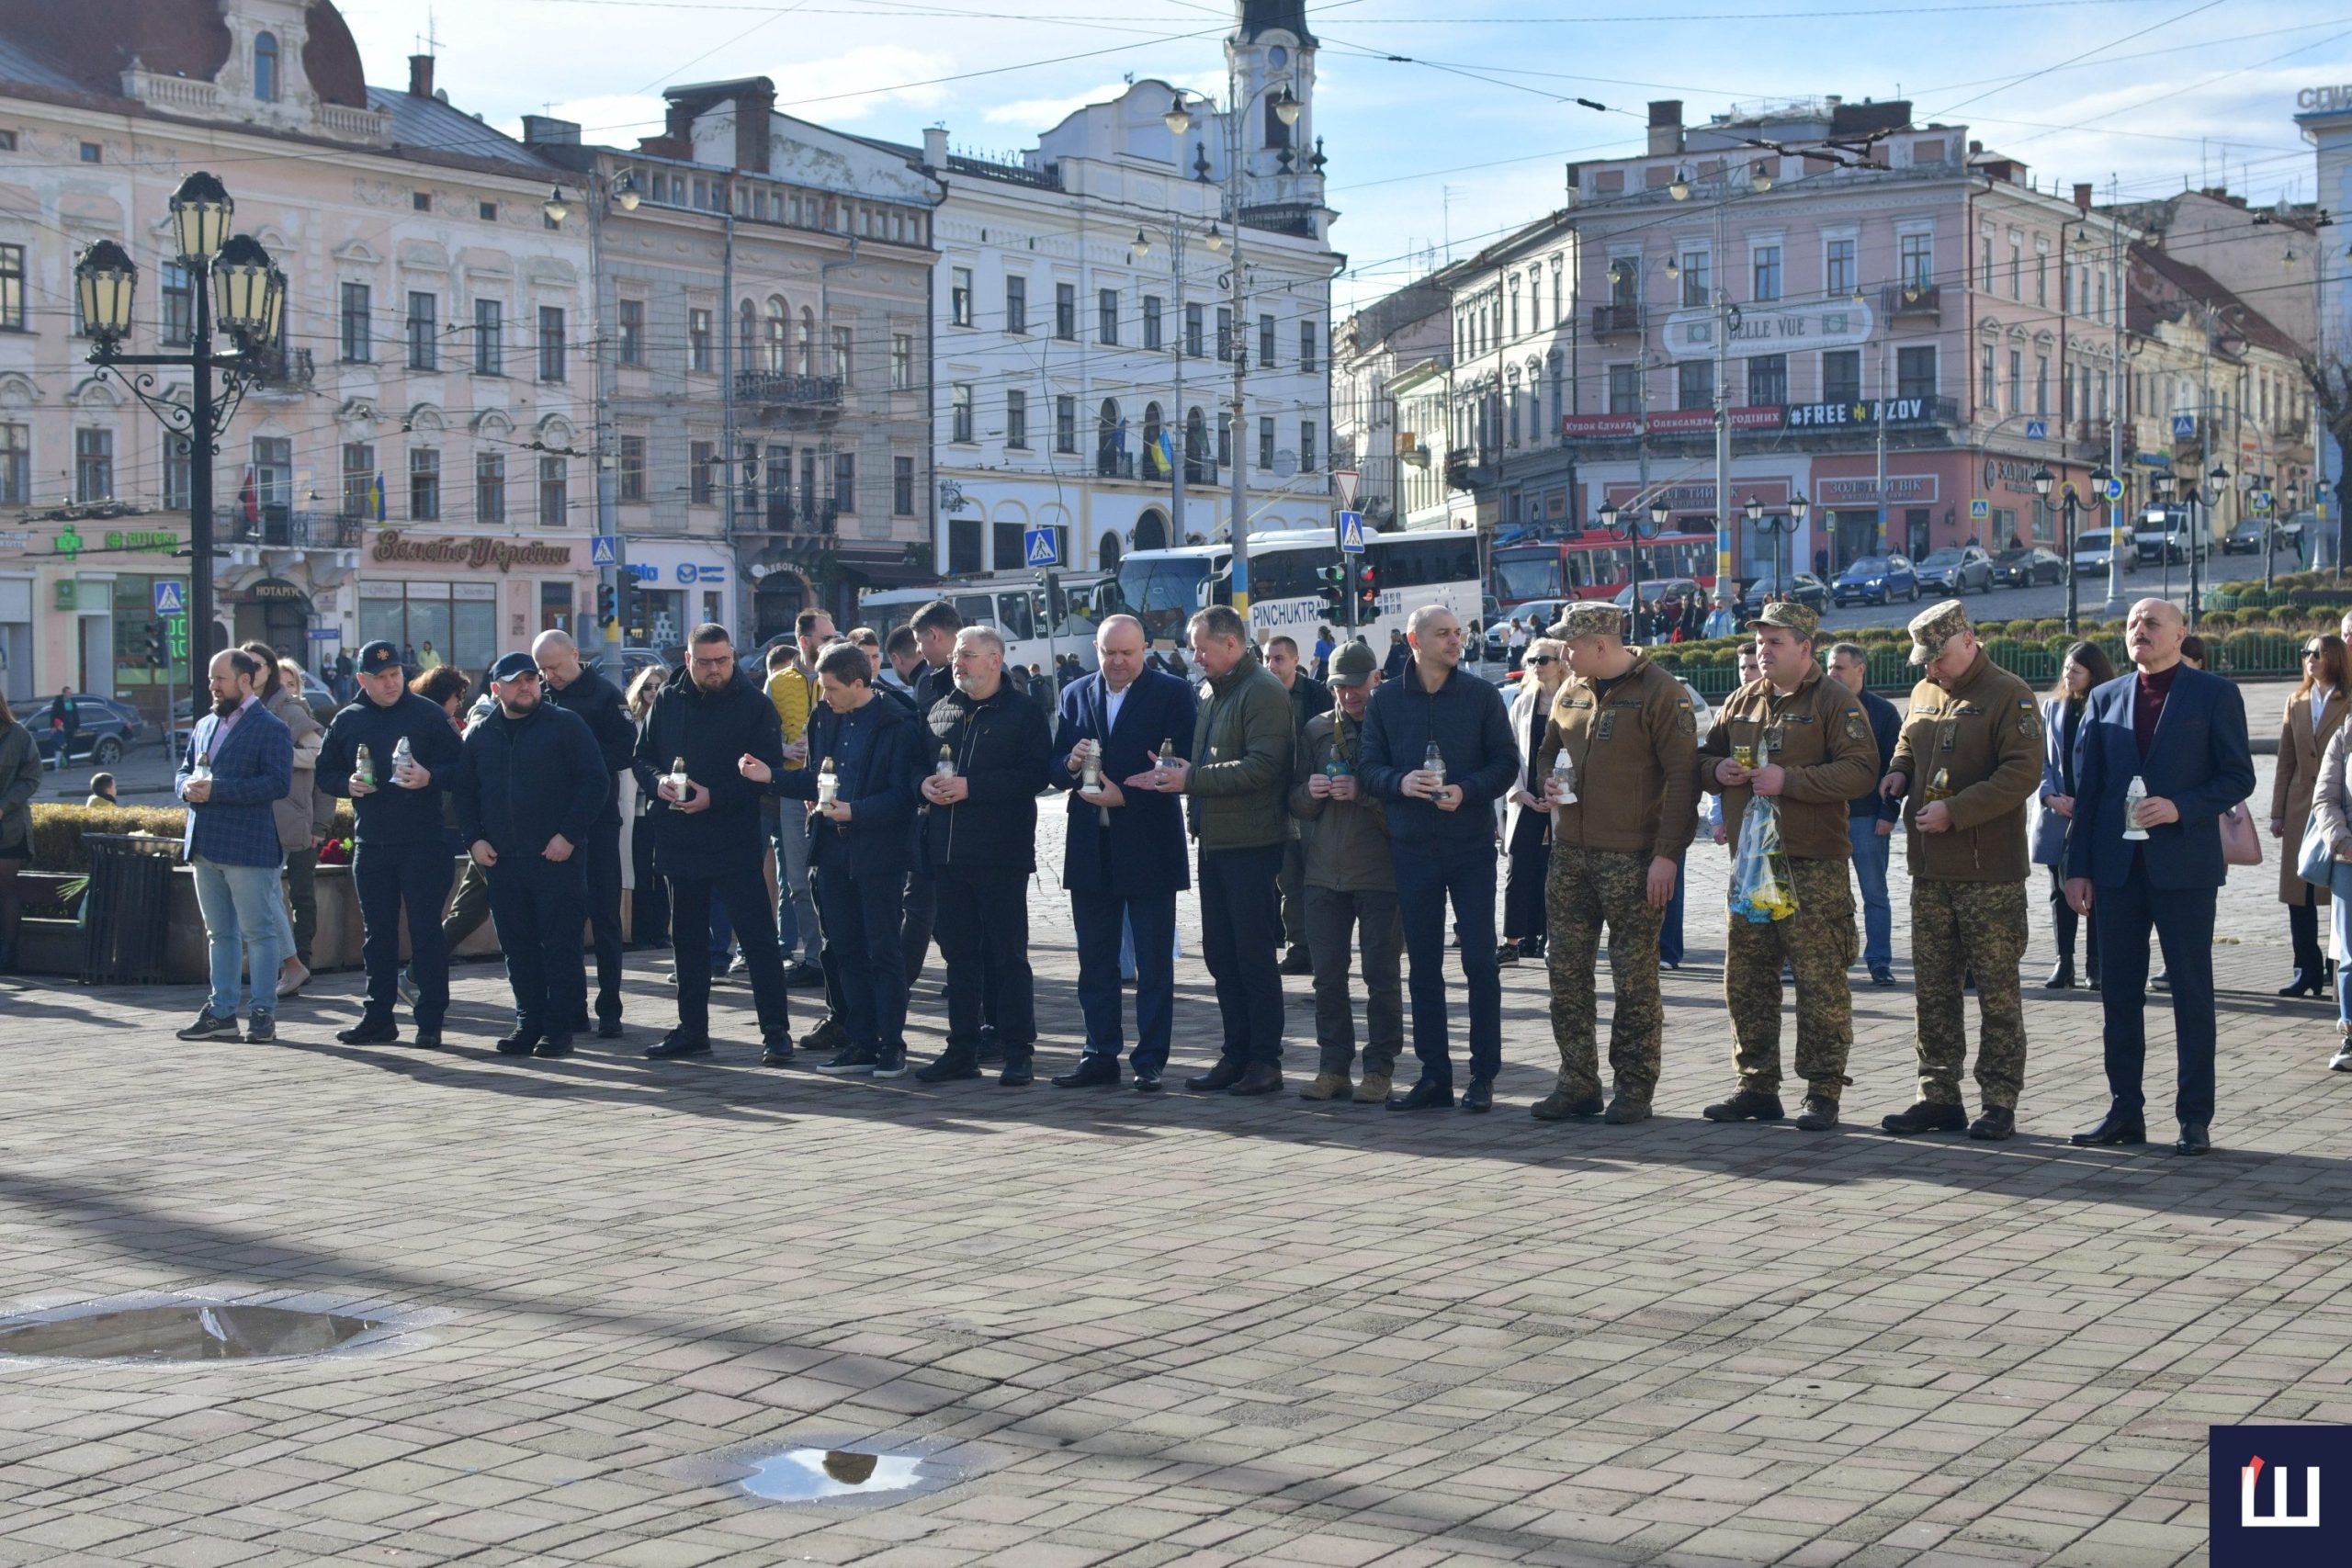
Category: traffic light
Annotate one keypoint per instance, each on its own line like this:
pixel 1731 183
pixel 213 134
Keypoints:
pixel 607 605
pixel 1367 593
pixel 1331 587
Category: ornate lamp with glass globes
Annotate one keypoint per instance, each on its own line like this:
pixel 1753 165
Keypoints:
pixel 235 287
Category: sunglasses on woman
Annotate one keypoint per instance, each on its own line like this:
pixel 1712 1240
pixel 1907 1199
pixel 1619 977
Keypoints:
pixel 2312 652
pixel 1542 658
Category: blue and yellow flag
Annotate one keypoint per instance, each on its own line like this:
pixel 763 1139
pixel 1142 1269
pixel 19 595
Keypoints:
pixel 1164 454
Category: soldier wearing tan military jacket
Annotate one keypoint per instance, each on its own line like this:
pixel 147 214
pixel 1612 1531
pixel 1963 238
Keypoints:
pixel 1630 736
pixel 1801 739
pixel 1969 759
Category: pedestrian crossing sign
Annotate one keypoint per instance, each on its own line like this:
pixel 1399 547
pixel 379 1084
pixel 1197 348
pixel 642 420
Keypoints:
pixel 1980 512
pixel 170 598
pixel 1040 549
pixel 1352 533
pixel 601 552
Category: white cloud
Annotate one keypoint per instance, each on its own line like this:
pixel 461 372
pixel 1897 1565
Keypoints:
pixel 812 89
pixel 1044 113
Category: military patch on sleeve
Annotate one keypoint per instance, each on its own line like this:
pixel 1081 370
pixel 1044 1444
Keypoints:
pixel 1855 729
pixel 1686 722
pixel 2029 717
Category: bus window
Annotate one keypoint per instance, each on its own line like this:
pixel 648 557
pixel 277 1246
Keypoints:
pixel 1531 575
pixel 1285 574
pixel 1162 593
pixel 1015 617
pixel 976 608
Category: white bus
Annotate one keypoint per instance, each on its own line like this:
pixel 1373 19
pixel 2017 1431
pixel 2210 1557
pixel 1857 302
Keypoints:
pixel 1163 588
pixel 1013 603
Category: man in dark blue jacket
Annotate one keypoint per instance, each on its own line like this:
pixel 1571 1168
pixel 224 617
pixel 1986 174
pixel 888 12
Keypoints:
pixel 989 750
pixel 707 840
pixel 863 753
pixel 1442 837
pixel 1123 855
pixel 531 788
pixel 2182 733
pixel 1872 817
pixel 400 856
pixel 572 686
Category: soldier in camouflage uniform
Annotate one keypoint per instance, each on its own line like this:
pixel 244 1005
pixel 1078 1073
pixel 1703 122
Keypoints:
pixel 1629 732
pixel 1969 759
pixel 1797 737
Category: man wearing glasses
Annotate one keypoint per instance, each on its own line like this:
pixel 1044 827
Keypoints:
pixel 706 835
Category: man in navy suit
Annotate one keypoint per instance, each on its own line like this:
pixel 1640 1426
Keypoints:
pixel 1124 857
pixel 2182 733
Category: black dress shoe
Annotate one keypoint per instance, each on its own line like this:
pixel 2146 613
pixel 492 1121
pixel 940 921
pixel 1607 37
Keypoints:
pixel 1262 1077
pixel 522 1042
pixel 677 1043
pixel 1297 961
pixel 1146 1080
pixel 953 1064
pixel 1479 1096
pixel 2061 978
pixel 555 1047
pixel 608 1029
pixel 804 974
pixel 2117 1128
pixel 1017 1072
pixel 1424 1096
pixel 776 1056
pixel 426 1039
pixel 371 1032
pixel 2193 1140
pixel 1092 1072
pixel 1217 1080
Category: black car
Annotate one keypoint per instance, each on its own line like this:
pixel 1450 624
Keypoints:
pixel 1802 586
pixel 2249 535
pixel 2028 568
pixel 103 730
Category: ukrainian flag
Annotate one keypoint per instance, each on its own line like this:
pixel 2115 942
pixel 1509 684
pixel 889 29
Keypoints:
pixel 1164 454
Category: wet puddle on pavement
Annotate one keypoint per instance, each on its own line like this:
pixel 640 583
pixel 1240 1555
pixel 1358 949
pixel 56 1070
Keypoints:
pixel 801 1476
pixel 180 1331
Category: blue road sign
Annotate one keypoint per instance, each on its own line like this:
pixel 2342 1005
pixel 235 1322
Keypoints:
pixel 170 598
pixel 601 553
pixel 2037 430
pixel 2114 490
pixel 1040 547
pixel 1980 512
pixel 1352 533
pixel 2184 424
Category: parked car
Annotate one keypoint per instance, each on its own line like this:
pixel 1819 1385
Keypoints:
pixel 2091 553
pixel 104 729
pixel 2027 567
pixel 1802 586
pixel 1499 625
pixel 2161 535
pixel 1957 570
pixel 1876 580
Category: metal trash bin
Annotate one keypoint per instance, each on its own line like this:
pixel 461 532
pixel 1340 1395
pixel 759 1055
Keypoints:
pixel 126 913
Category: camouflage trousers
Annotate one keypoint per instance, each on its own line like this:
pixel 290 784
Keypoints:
pixel 1957 928
pixel 1816 944
pixel 1588 889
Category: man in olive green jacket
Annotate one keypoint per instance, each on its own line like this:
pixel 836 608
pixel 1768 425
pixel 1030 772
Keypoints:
pixel 1239 782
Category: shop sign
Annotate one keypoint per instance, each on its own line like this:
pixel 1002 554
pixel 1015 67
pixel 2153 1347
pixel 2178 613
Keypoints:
pixel 2325 100
pixel 395 549
pixel 2006 473
pixel 148 541
pixel 1864 492
pixel 1770 329
pixel 1861 415
pixel 1665 421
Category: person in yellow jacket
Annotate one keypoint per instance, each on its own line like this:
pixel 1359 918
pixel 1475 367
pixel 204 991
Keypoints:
pixel 792 687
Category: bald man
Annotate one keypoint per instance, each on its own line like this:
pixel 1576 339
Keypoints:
pixel 573 687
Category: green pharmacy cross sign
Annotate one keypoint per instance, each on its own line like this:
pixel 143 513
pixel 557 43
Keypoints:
pixel 69 543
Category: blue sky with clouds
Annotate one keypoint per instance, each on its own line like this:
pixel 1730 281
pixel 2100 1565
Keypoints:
pixel 1466 135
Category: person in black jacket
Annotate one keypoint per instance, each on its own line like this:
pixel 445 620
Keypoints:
pixel 989 748
pixel 935 627
pixel 707 840
pixel 531 789
pixel 400 856
pixel 859 844
pixel 576 688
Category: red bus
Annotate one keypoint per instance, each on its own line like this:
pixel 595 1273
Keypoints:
pixel 1594 566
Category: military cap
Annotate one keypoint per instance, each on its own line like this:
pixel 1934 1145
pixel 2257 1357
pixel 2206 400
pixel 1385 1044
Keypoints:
pixel 378 657
pixel 1933 627
pixel 1352 663
pixel 1588 617
pixel 1789 615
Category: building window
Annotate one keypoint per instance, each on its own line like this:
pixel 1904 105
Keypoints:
pixel 1066 312
pixel 1625 388
pixel 1307 432
pixel 698 340
pixel 1984 261
pixel 424 329
pixel 1106 315
pixel 1266 441
pixel 1064 423
pixel 632 330
pixel 2016 380
pixel 179 301
pixel 12 291
pixel 420 201
pixel 1152 337
pixel 846 480
pixel 93 465
pixel 1624 281
pixel 354 323
pixel 2041 384
pixel 15 464
pixel 842 355
pixel 1768 272
pixel 424 485
pixel 1016 419
pixel 629 474
pixel 486 210
pixel 1224 438
pixel 358 480
pixel 1224 333
pixel 959 413
pixel 91 152
pixel 551 359
pixel 808 340
pixel 1265 343
pixel 2042 272
pixel 1192 343
pixel 1307 348
pixel 1694 384
pixel 1917 262
pixel 1016 305
pixel 180 475
pixel 702 472
pixel 902 362
pixel 266 67
pixel 1768 380
pixel 489 352
pixel 489 488
pixel 1840 278
pixel 1841 375
pixel 554 497
pixel 1915 372
pixel 2017 266
pixel 902 487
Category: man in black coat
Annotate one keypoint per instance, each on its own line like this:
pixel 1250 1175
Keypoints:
pixel 576 688
pixel 531 789
pixel 706 837
pixel 401 855
pixel 989 748
pixel 935 627
pixel 1309 699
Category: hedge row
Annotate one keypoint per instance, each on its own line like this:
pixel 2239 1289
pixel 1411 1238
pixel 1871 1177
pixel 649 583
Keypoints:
pixel 58 828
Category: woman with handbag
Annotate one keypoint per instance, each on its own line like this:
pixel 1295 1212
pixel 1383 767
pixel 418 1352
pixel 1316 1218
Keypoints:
pixel 2327 850
pixel 2313 714
pixel 2061 716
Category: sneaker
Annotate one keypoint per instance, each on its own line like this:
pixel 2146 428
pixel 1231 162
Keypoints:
pixel 849 1059
pixel 406 986
pixel 210 1026
pixel 1507 955
pixel 826 1039
pixel 292 975
pixel 2342 1061
pixel 891 1061
pixel 263 1029
pixel 1747 1105
pixel 1819 1114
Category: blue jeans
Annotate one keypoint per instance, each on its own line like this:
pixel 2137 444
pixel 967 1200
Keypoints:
pixel 796 925
pixel 244 918
pixel 1870 851
pixel 1426 880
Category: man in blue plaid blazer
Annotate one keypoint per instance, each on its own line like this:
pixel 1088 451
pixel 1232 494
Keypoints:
pixel 239 763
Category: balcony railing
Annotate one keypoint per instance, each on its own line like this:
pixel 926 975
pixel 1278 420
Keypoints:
pixel 1284 217
pixel 276 526
pixel 781 514
pixel 776 390
pixel 1608 320
pixel 1901 299
pixel 286 370
pixel 1110 465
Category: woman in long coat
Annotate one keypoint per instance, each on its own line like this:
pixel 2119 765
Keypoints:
pixel 2313 714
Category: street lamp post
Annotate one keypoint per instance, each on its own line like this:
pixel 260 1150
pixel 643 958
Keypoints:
pixel 1779 529
pixel 2068 506
pixel 230 274
pixel 2197 496
pixel 1632 531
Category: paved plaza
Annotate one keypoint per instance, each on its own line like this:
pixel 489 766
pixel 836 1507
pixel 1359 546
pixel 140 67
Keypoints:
pixel 1156 1330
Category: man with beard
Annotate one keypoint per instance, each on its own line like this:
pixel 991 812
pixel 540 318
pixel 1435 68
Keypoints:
pixel 707 840
pixel 566 683
pixel 400 856
pixel 531 788
pixel 239 761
